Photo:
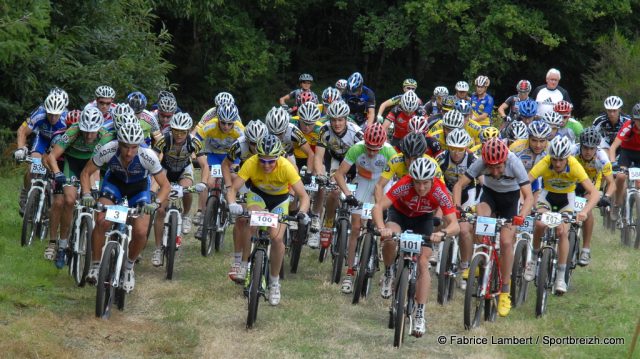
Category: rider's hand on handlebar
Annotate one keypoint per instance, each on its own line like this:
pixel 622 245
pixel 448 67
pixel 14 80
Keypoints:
pixel 581 216
pixel 303 218
pixel 306 179
pixel 149 208
pixel 201 187
pixel 605 201
pixel 517 220
pixel 235 209
pixel 352 200
pixel 88 200
pixel 20 154
pixel 60 178
pixel 437 237
pixel 385 232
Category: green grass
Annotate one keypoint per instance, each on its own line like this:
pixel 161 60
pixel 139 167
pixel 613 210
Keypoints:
pixel 202 314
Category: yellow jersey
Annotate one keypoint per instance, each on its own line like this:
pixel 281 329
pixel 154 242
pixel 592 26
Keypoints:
pixel 275 183
pixel 471 126
pixel 216 141
pixel 598 167
pixel 563 182
pixel 312 137
pixel 396 166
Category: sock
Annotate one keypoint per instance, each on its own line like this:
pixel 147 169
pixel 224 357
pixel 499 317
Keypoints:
pixel 464 265
pixel 586 250
pixel 274 279
pixel 129 264
pixel 95 263
pixel 561 269
pixel 420 310
pixel 63 243
pixel 506 288
pixel 237 257
pixel 350 271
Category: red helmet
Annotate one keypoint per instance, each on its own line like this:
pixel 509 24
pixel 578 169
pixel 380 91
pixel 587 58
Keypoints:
pixel 494 151
pixel 72 117
pixel 375 136
pixel 563 107
pixel 306 96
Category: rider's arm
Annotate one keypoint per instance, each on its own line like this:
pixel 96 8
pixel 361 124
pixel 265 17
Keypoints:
pixel 302 195
pixel 453 227
pixel 226 171
pixel 593 194
pixel 165 186
pixel 378 192
pixel 85 176
pixel 527 200
pixel 318 161
pixel 377 212
pixel 204 168
pixel 235 186
pixel 383 107
pixel 611 185
pixel 23 132
pixel 612 150
pixel 463 182
pixel 50 159
pixel 306 148
pixel 284 99
pixel 502 108
pixel 340 177
pixel 371 115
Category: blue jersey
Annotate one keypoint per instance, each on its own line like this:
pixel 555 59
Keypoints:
pixel 359 104
pixel 144 164
pixel 39 124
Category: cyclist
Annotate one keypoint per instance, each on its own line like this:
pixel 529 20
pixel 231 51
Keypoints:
pixel 370 158
pixel 361 100
pixel 220 99
pixel 526 113
pixel 596 164
pixel 564 108
pixel 411 203
pixel 462 91
pixel 555 121
pixel 329 95
pixel 129 168
pixel 434 107
pixel 524 88
pixel 505 183
pixel 166 107
pixel 610 122
pixel 482 102
pixel 450 121
pixel 138 101
pixel 560 172
pixel 420 124
pixel 472 127
pixel 105 97
pixel 305 81
pixel 77 145
pixel 533 148
pixel 279 123
pixel 269 176
pixel 448 103
pixel 486 134
pixel 174 150
pixel 341 85
pixel 517 131
pixel 407 85
pixel 400 116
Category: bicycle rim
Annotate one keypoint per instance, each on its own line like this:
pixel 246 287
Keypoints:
pixel 208 220
pixel 473 301
pixel 82 259
pixel 365 253
pixel 445 278
pixel 518 283
pixel 28 222
pixel 105 290
pixel 544 281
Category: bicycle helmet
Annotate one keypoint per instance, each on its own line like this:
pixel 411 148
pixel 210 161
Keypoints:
pixel 131 133
pixel 125 118
pixel 90 120
pixel 449 102
pixel 523 86
pixel 539 129
pixel 409 102
pixel 305 77
pixel 489 133
pixel 338 109
pixel 255 131
pixel 410 82
pixel 227 112
pixel 54 104
pixel 105 92
pixel 223 97
pixel 463 106
pixel 354 82
pixel 63 93
pixel 413 145
pixel 419 124
pixel 527 108
pixel 138 101
pixel 458 138
pixel 440 91
pixel 181 121
pixel 422 169
pixel 462 86
pixel 167 103
pixel 277 120
pixel 375 136
pixel 269 145
pixel 331 94
pixel 494 152
pixel 635 111
pixel 309 113
pixel 73 117
pixel 563 107
pixel 306 96
pixel 612 103
pixel 560 147
pixel 590 137
pixel 120 109
pixel 482 81
pixel 453 119
pixel 518 130
pixel 553 118
pixel 341 84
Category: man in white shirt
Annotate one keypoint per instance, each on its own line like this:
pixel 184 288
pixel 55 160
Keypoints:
pixel 547 95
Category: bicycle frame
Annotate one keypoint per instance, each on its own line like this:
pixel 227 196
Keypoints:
pixel 632 190
pixel 81 212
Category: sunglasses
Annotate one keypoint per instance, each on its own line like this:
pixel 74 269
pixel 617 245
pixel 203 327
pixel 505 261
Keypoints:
pixel 179 132
pixel 374 149
pixel 267 162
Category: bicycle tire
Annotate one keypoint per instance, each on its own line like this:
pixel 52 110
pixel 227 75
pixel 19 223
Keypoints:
pixel 361 275
pixel 121 294
pixel 105 291
pixel 518 284
pixel 254 288
pixel 322 255
pixel 218 238
pixel 29 226
pixel 544 281
pixel 208 232
pixel 42 227
pixel 82 259
pixel 170 249
pixel 631 226
pixel 636 243
pixel 295 249
pixel 399 305
pixel 491 303
pixel 445 277
pixel 572 257
pixel 341 249
pixel 473 302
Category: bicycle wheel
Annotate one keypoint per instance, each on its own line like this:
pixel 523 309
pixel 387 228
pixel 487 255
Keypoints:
pixel 361 275
pixel 518 284
pixel 208 223
pixel 221 228
pixel 626 233
pixel 322 255
pixel 254 288
pixel 105 289
pixel 636 243
pixel 399 305
pixel 121 293
pixel 445 275
pixel 42 227
pixel 29 226
pixel 297 239
pixel 491 303
pixel 572 256
pixel 473 301
pixel 170 249
pixel 82 258
pixel 340 250
pixel 544 281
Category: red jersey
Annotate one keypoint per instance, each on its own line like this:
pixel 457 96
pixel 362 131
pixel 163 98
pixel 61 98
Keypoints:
pixel 407 201
pixel 629 134
pixel 401 123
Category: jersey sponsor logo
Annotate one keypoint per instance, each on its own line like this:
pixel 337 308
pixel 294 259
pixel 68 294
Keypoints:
pixel 443 199
pixel 379 163
pixel 107 151
pixel 145 156
pixel 401 189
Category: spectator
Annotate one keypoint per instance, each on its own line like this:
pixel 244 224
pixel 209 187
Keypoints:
pixel 548 95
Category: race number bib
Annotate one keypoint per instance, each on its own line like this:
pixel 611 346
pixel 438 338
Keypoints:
pixel 263 219
pixel 216 171
pixel 176 191
pixel 313 186
pixel 579 204
pixel 634 173
pixel 486 226
pixel 366 210
pixel 551 219
pixel 352 186
pixel 410 243
pixel 37 167
pixel 117 214
pixel 527 226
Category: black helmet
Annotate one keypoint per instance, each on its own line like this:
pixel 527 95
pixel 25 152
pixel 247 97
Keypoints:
pixel 413 145
pixel 590 137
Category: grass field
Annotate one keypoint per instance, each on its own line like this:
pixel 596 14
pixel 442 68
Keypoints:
pixel 202 314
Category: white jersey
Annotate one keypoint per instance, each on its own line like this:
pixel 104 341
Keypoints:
pixel 144 164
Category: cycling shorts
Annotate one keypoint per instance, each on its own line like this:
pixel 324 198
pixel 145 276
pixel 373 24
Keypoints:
pixel 215 158
pixel 278 204
pixel 420 225
pixel 137 192
pixel 629 158
pixel 503 204
pixel 364 192
pixel 187 173
pixel 73 167
pixel 40 145
pixel 556 202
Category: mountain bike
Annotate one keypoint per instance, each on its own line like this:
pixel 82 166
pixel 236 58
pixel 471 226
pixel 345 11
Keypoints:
pixel 366 260
pixel 631 209
pixel 522 254
pixel 575 237
pixel 35 222
pixel 216 216
pixel 340 239
pixel 80 243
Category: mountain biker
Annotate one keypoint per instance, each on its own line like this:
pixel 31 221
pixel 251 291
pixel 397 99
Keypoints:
pixel 407 85
pixel 305 81
pixel 564 108
pixel 434 106
pixel 105 97
pixel 610 122
pixel 138 102
pixel 400 115
pixel 278 123
pixel 166 107
pixel 221 98
pixel 361 100
pixel 524 88
pixel 462 91
pixel 482 102
pixel 420 124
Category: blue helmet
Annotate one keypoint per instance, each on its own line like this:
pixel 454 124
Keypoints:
pixel 463 106
pixel 539 129
pixel 354 82
pixel 227 112
pixel 527 108
pixel 138 101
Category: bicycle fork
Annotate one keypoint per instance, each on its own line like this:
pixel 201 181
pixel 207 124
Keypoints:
pixel 165 232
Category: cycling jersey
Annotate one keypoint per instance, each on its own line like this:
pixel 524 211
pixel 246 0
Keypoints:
pixel 40 125
pixel 575 127
pixel 406 200
pixel 175 158
pixel 481 106
pixel 145 163
pixel 598 167
pixel 563 182
pixel 629 134
pixel 472 127
pixel 513 177
pixel 239 150
pixel 512 101
pixel 401 121
pixel 525 154
pixel 311 138
pixel 208 116
pixel 292 138
pixel 359 104
pixel 73 144
pixel 396 166
pixel 432 108
pixel 452 170
pixel 609 130
pixel 275 183
pixel 215 141
pixel 338 145
pixel 107 116
pixel 367 167
pixel 295 95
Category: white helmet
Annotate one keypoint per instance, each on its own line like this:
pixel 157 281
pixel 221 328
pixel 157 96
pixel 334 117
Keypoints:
pixel 518 131
pixel 560 147
pixel 61 92
pixel 482 81
pixel 124 119
pixel 224 97
pixel 341 84
pixel 105 91
pixel 539 129
pixel 277 120
pixel 227 112
pixel 121 109
pixel 553 118
pixel 90 120
pixel 453 119
pixel 309 113
pixel 422 169
pixel 612 103
pixel 409 101
pixel 181 121
pixel 462 86
pixel 131 133
pixel 338 109
pixel 458 138
pixel 54 104
pixel 418 124
pixel 440 91
pixel 167 103
pixel 255 131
